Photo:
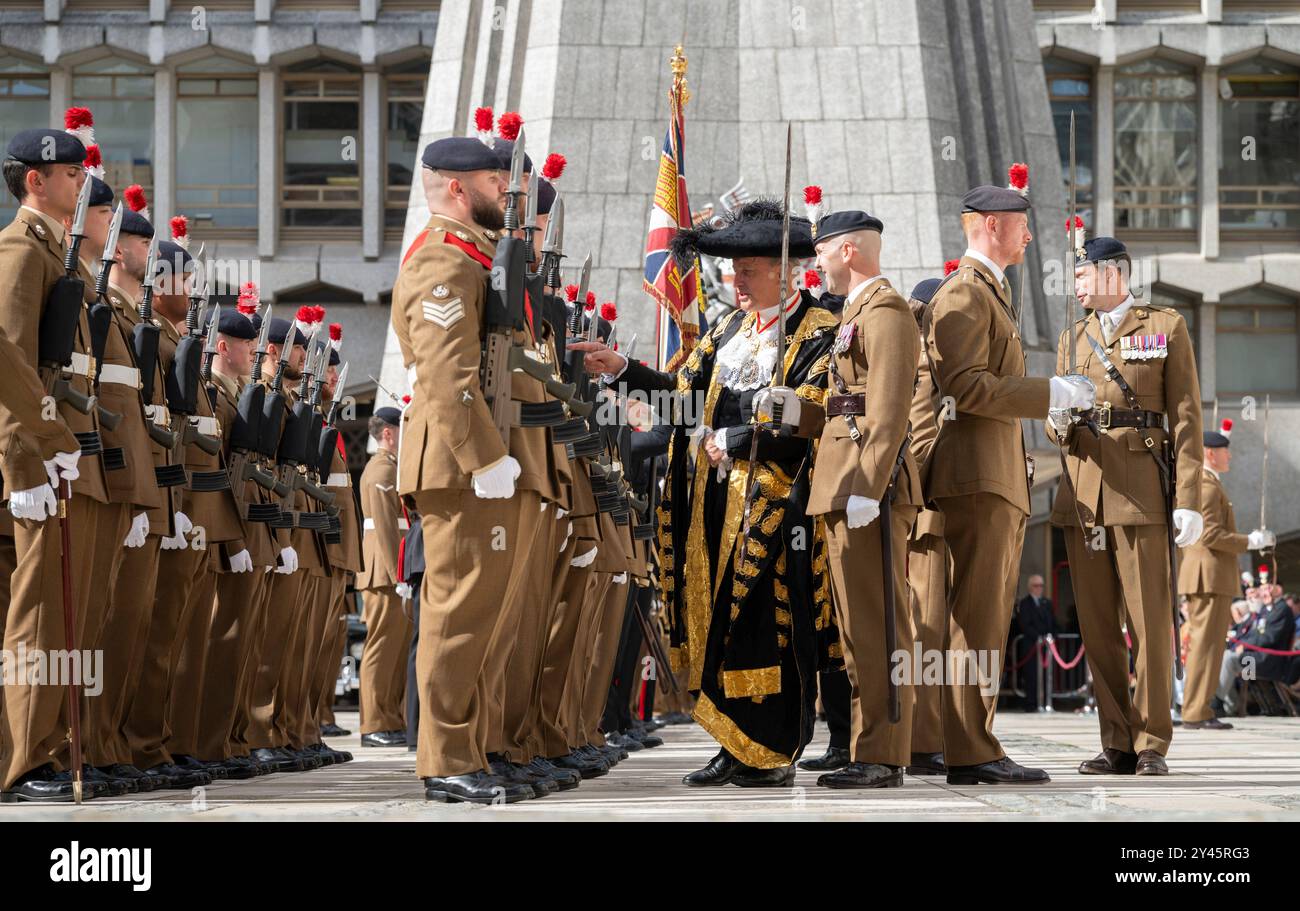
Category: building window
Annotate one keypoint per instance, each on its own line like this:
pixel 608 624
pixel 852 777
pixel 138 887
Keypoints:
pixel 24 105
pixel 1187 309
pixel 322 147
pixel 1259 174
pixel 402 140
pixel 216 144
pixel 1255 344
pixel 120 95
pixel 1155 147
pixel 1069 89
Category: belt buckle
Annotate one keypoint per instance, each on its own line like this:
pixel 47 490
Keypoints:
pixel 1103 417
pixel 854 433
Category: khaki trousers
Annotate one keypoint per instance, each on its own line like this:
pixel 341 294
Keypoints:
pixel 188 661
pixel 985 535
pixel 320 696
pixel 1208 618
pixel 241 732
pixel 8 563
pixel 464 610
pixel 570 586
pixel 524 669
pixel 226 663
pixel 383 661
pixel 35 720
pixel 283 608
pixel 291 693
pixel 608 626
pixel 857 572
pixel 927 576
pixel 1127 583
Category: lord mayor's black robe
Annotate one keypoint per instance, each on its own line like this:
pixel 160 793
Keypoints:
pixel 749 633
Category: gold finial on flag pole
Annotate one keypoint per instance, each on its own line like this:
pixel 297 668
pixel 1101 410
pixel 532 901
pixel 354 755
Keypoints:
pixel 678 63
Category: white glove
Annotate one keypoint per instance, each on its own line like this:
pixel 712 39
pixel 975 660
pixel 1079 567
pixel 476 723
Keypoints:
pixel 861 511
pixel 183 527
pixel 560 512
pixel 497 482
pixel 403 590
pixel 1261 538
pixel 1073 391
pixel 63 466
pixel 620 578
pixel 567 533
pixel 790 405
pixel 288 561
pixel 139 532
pixel 241 562
pixel 1190 524
pixel 696 439
pixel 36 504
pixel 586 559
pixel 1061 419
pixel 543 506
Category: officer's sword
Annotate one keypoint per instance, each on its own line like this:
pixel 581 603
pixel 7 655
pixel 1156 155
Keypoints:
pixel 1263 486
pixel 1070 258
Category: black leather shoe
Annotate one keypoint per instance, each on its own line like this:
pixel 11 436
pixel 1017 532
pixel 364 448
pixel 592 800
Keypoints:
pixel 277 761
pixel 675 718
pixel 475 787
pixel 238 768
pixel 565 779
pixel 116 786
pixel 1110 761
pixel 863 775
pixel 384 739
pixel 127 772
pixel 215 770
pixel 651 725
pixel 171 777
pixel 1149 762
pixel 514 773
pixel 1210 724
pixel 624 742
pixel 336 757
pixel 834 758
pixel 582 764
pixel 309 759
pixel 720 770
pixel 333 730
pixel 750 777
pixel 615 754
pixel 926 764
pixel 44 785
pixel 999 771
pixel 643 736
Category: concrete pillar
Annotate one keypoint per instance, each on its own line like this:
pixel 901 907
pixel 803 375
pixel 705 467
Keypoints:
pixel 1108 8
pixel 369 10
pixel 164 147
pixel 1207 316
pixel 1208 192
pixel 60 95
pixel 53 10
pixel 373 170
pixel 1103 189
pixel 158 10
pixel 268 162
pixel 262 10
pixel 1212 10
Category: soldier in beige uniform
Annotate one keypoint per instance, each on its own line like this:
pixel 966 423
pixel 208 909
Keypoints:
pixel 977 471
pixel 34 749
pixel 1208 577
pixel 1113 506
pixel 865 472
pixel 388 629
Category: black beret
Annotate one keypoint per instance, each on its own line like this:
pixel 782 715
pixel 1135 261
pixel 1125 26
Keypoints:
pixel 389 415
pixel 236 325
pixel 924 290
pixel 1100 250
pixel 279 329
pixel 173 258
pixel 460 153
pixel 135 223
pixel 38 147
pixel 101 194
pixel 545 196
pixel 334 357
pixel 505 148
pixel 1212 439
pixel 994 199
pixel 846 222
pixel 754 229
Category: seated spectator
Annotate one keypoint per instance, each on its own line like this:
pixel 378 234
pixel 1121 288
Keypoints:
pixel 1274 628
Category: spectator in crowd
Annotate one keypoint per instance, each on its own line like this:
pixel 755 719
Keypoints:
pixel 1034 618
pixel 1273 628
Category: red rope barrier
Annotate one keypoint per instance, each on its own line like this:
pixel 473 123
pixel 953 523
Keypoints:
pixel 1064 665
pixel 1260 648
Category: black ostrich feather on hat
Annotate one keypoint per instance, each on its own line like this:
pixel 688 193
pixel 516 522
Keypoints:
pixel 753 229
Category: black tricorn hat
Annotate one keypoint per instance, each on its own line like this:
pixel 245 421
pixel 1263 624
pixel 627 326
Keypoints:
pixel 754 229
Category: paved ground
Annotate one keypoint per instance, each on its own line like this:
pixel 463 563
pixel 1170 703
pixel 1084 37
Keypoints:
pixel 1252 772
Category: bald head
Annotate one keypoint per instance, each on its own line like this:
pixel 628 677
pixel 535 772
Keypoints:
pixel 849 259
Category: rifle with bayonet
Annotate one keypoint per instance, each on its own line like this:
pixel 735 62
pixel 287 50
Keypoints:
pixel 99 315
pixel 144 341
pixel 218 479
pixel 245 457
pixel 183 382
pixel 295 453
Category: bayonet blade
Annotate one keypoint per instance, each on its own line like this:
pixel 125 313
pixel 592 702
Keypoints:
pixel 553 237
pixel 530 210
pixel 584 278
pixel 114 229
pixel 517 165
pixel 342 381
pixel 151 263
pixel 83 202
pixel 1071 295
pixel 210 336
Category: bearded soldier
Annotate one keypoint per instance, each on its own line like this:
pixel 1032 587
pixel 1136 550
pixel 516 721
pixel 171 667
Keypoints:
pixel 752 624
pixel 1130 493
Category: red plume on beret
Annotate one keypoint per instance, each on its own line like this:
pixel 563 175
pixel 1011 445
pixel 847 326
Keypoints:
pixel 180 226
pixel 1078 222
pixel 951 266
pixel 1018 178
pixel 336 331
pixel 508 125
pixel 811 279
pixel 248 299
pixel 304 313
pixel 134 196
pixel 483 120
pixel 812 195
pixel 80 123
pixel 571 292
pixel 554 166
pixel 591 301
pixel 608 311
pixel 1225 427
pixel 93 157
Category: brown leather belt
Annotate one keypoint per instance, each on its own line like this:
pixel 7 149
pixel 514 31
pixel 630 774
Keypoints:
pixel 846 404
pixel 1109 418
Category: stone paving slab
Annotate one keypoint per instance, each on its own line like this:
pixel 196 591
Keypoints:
pixel 1251 773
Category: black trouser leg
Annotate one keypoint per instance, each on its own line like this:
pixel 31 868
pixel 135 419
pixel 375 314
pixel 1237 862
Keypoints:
pixel 836 698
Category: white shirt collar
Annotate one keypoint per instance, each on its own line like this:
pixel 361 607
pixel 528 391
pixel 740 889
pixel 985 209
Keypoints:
pixel 1116 315
pixel 976 254
pixel 1211 471
pixel 51 222
pixel 857 289
pixel 764 316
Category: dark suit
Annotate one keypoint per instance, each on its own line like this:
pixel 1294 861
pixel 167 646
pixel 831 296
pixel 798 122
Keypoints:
pixel 1034 619
pixel 1272 628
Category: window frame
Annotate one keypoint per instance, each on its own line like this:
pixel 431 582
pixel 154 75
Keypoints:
pixel 1274 300
pixel 325 232
pixel 1261 234
pixel 210 230
pixel 394 203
